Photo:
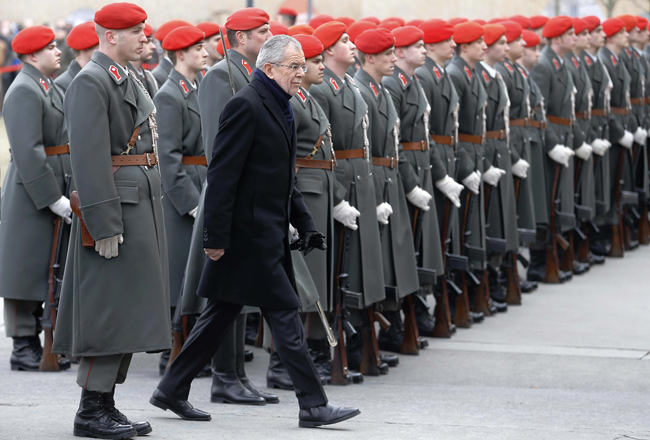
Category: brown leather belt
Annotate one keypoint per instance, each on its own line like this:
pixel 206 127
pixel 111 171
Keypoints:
pixel 388 162
pixel 444 140
pixel 358 153
pixel 598 112
pixel 194 160
pixel 415 146
pixel 56 150
pixel 521 122
pixel 647 99
pixel 620 111
pixel 537 124
pixel 495 134
pixel 470 138
pixel 130 160
pixel 637 101
pixel 315 163
pixel 581 115
pixel 558 120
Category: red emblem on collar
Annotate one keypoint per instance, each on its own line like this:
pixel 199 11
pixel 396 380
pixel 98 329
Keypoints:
pixel 522 71
pixel 184 86
pixel 614 60
pixel 402 78
pixel 556 63
pixel 334 83
pixel 468 72
pixel 436 72
pixel 509 67
pixel 247 67
pixel 204 71
pixel 374 89
pixel 44 84
pixel 486 77
pixel 588 60
pixel 627 51
pixel 575 62
pixel 115 72
pixel 301 95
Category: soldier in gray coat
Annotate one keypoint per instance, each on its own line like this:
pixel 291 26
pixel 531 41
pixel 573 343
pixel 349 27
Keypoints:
pixel 145 76
pixel 165 65
pixel 115 296
pixel 32 193
pixel 83 40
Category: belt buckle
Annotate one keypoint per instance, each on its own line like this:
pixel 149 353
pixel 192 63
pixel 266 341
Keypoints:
pixel 423 145
pixel 393 163
pixel 147 156
pixel 333 163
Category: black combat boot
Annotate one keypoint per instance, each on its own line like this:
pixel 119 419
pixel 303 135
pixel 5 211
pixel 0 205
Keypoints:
pixel 391 339
pixel 319 351
pixel 142 428
pixel 497 290
pixel 25 356
pixel 92 419
pixel 537 268
pixel 277 375
pixel 164 360
pixel 226 386
pixel 426 321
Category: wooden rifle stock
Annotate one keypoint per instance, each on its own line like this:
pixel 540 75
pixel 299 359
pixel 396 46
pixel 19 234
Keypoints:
pixel 49 360
pixel 370 349
pixel 513 287
pixel 461 302
pixel 340 361
pixel 410 343
pixel 617 229
pixel 552 274
pixel 481 302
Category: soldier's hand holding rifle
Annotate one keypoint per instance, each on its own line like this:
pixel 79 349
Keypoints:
pixel 346 214
pixel 493 175
pixel 451 189
pixel 561 154
pixel 520 169
pixel 62 208
pixel 473 181
pixel 419 198
pixel 627 139
pixel 384 210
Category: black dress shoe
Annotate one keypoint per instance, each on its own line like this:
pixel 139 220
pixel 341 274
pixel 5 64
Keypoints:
pixel 182 408
pixel 25 355
pixel 527 286
pixel 268 397
pixel 500 306
pixel 227 388
pixel 391 359
pixel 248 355
pixel 477 316
pixel 277 375
pixel 355 376
pixel 579 267
pixel 596 259
pixel 565 276
pixel 92 419
pixel 422 342
pixel 325 415
pixel 425 321
pixel 142 428
pixel 64 363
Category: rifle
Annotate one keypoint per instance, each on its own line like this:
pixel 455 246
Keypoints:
pixel 552 275
pixel 49 360
pixel 482 294
pixel 227 58
pixel 513 288
pixel 643 226
pixel 617 228
pixel 457 262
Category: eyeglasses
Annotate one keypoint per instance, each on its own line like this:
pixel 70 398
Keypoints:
pixel 294 67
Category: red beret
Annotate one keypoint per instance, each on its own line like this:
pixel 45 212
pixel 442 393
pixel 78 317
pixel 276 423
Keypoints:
pixel 592 22
pixel 347 21
pixel 288 11
pixel 220 45
pixel 329 33
pixel 407 35
pixel 374 41
pixel 436 31
pixel 613 26
pixel 120 15
pixel 538 21
pixel 480 21
pixel 82 36
pixel 301 29
pixel 513 30
pixel 524 22
pixel 358 27
pixel 182 38
pixel 247 19
pixel 278 28
pixel 371 19
pixel 389 24
pixel 492 32
pixel 457 20
pixel 311 46
pixel 579 25
pixel 208 28
pixel 320 19
pixel 531 39
pixel 557 26
pixel 415 22
pixel 492 20
pixel 642 24
pixel 629 20
pixel 167 27
pixel 32 39
pixel 397 19
pixel 467 32
pixel 148 30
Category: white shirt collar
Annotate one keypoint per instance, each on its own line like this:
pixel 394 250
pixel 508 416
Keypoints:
pixel 490 70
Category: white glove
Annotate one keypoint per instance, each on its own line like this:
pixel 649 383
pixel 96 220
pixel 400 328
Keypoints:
pixel 520 169
pixel 561 154
pixel 600 146
pixel 640 136
pixel 584 151
pixel 107 247
pixel 193 212
pixel 419 198
pixel 473 181
pixel 384 210
pixel 626 140
pixel 62 208
pixel 346 215
pixel 493 175
pixel 293 234
pixel 450 188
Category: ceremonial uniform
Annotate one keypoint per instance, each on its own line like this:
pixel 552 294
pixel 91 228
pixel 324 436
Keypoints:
pixel 63 81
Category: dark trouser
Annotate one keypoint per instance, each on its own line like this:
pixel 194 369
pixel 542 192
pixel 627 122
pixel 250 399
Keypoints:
pixel 101 373
pixel 208 332
pixel 22 317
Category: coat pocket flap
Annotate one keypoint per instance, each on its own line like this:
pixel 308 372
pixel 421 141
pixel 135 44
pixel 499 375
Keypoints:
pixel 128 191
pixel 310 185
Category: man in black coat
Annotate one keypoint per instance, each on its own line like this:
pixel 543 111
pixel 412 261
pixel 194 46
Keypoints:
pixel 249 202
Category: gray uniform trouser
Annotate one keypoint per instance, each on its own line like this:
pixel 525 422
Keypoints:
pixel 21 317
pixel 101 373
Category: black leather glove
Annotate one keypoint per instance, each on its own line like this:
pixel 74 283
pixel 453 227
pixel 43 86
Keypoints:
pixel 312 240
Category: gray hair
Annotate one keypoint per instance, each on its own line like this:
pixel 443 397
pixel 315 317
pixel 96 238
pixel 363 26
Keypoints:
pixel 273 50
